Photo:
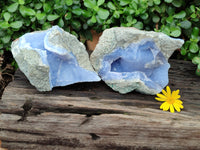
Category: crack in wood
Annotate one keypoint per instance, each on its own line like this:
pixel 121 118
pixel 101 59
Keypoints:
pixel 111 146
pixel 38 108
pixel 94 136
pixel 23 131
pixel 69 142
pixel 85 121
pixel 26 107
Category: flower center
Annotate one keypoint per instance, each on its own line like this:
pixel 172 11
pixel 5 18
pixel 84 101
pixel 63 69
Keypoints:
pixel 170 100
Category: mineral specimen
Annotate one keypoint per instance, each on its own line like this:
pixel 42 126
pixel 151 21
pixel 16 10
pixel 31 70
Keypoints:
pixel 128 59
pixel 52 58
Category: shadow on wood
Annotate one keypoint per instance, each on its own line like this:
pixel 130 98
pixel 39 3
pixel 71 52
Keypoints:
pixel 91 116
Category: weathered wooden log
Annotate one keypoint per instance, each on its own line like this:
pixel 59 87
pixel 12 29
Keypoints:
pixel 91 116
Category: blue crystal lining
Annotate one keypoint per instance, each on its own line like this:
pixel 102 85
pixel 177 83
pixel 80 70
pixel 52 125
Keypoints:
pixel 141 61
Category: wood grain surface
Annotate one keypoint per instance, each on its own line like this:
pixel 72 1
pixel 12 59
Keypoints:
pixel 90 116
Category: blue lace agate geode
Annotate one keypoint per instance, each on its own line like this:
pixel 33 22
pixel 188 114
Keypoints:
pixel 141 61
pixel 53 58
pixel 129 59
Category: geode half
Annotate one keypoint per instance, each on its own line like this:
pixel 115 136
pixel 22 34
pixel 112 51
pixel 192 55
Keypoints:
pixel 52 58
pixel 128 59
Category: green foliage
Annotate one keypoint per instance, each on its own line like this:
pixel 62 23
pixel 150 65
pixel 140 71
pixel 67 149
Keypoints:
pixel 176 18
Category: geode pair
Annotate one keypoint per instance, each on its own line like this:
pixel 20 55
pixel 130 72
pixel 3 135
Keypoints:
pixel 126 59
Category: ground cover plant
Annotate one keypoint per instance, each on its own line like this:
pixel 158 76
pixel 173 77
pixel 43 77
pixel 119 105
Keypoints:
pixel 176 18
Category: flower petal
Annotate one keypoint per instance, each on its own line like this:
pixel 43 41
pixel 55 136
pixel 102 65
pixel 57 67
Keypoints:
pixel 166 106
pixel 177 107
pixel 177 91
pixel 180 105
pixel 178 101
pixel 162 105
pixel 160 99
pixel 171 108
pixel 175 94
pixel 168 91
pixel 164 92
pixel 162 96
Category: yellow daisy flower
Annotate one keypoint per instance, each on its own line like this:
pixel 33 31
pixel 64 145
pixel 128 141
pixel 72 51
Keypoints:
pixel 171 100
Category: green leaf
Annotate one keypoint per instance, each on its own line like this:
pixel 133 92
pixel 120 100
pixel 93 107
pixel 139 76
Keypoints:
pixel 4 25
pixel 46 25
pixel 38 5
pixel 190 56
pixel 166 30
pixel 170 19
pixel 86 13
pixel 177 3
pixel 21 2
pixel 88 35
pixel 47 7
pixel 90 3
pixel 33 19
pixel 180 15
pixel 52 17
pixel 144 16
pixel 76 1
pixel 85 26
pixel 129 18
pixel 61 23
pixel 198 70
pixel 194 47
pixel 168 1
pixel 100 2
pixel 130 11
pixel 195 33
pixel 16 24
pixel 93 19
pixel 76 24
pixel 89 22
pixel 74 33
pixel 40 16
pixel 196 60
pixel 124 2
pixel 13 7
pixel 192 8
pixel 195 19
pixel 185 24
pixel 183 51
pixel 170 10
pixel 1 46
pixel 103 13
pixel 111 6
pixel 156 19
pixel 175 31
pixel 100 21
pixel 69 2
pixel 6 39
pixel 138 25
pixel 186 44
pixel 25 11
pixel 6 16
pixel 150 2
pixel 77 11
pixel 193 15
pixel 68 16
pixel 157 2
pixel 116 14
